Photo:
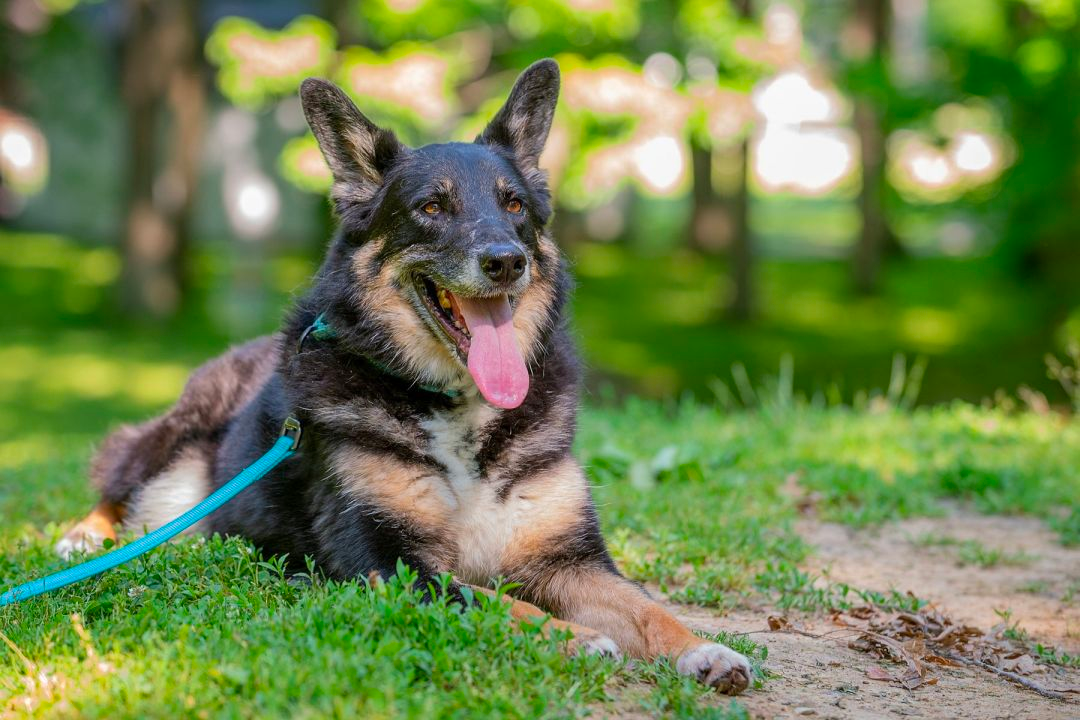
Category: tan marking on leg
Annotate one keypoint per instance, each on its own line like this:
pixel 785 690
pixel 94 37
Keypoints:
pixel 408 491
pixel 619 608
pixel 552 506
pixel 411 493
pixel 585 639
pixel 92 531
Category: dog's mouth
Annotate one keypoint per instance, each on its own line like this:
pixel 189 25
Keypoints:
pixel 481 330
pixel 443 307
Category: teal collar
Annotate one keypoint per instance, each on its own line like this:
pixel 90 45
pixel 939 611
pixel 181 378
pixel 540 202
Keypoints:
pixel 322 331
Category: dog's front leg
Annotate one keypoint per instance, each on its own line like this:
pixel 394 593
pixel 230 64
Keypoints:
pixel 602 599
pixel 584 639
pixel 558 556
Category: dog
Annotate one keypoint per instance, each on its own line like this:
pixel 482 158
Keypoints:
pixel 437 387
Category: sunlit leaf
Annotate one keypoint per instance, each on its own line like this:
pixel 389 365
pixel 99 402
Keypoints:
pixel 412 83
pixel 257 64
pixel 301 163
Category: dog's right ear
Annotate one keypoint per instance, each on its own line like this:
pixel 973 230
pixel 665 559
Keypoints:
pixel 357 151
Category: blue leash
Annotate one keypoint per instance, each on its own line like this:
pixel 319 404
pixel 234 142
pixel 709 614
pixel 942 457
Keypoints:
pixel 283 448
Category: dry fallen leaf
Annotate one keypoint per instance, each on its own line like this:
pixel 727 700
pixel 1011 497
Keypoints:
pixel 875 673
pixel 938 660
pixel 778 623
pixel 927 636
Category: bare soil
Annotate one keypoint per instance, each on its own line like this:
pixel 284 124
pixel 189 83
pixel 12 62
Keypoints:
pixel 1039 585
pixel 822 677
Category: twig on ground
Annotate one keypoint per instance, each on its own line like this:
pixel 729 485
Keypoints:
pixel 831 635
pixel 1029 684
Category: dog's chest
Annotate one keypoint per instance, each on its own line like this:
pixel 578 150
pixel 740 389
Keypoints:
pixel 482 524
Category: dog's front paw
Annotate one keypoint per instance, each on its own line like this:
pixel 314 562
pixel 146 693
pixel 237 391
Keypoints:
pixel 590 642
pixel 716 666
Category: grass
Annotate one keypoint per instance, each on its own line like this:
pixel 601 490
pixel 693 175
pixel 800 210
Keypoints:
pixel 973 552
pixel 238 638
pixel 1053 656
pixel 656 324
pixel 695 499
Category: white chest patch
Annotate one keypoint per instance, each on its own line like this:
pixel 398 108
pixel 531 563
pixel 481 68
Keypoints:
pixel 482 524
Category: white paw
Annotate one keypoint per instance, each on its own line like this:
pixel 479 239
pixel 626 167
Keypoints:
pixel 716 666
pixel 78 540
pixel 599 645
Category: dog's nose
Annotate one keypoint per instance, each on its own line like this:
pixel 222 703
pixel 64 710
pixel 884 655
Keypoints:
pixel 503 263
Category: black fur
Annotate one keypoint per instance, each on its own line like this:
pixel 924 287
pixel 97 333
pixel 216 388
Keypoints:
pixel 234 406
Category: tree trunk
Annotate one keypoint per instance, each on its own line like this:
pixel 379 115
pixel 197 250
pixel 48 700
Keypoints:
pixel 742 246
pixel 9 99
pixel 8 62
pixel 148 287
pixel 341 14
pixel 187 104
pixel 870 246
pixel 161 64
pixel 710 221
pixel 568 227
pixel 872 22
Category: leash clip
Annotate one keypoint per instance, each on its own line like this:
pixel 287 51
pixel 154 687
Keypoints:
pixel 291 429
pixel 318 329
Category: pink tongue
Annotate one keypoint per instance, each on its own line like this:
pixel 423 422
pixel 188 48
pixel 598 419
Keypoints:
pixel 495 361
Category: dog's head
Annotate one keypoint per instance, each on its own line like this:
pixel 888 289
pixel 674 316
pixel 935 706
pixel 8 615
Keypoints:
pixel 442 269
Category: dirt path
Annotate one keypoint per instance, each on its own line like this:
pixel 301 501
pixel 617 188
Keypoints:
pixel 1036 579
pixel 825 678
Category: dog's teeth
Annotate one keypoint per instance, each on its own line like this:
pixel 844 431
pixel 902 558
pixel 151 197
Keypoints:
pixel 444 301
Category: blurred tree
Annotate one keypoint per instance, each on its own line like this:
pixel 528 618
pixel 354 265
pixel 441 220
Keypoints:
pixel 8 77
pixel 163 79
pixel 1021 58
pixel 8 99
pixel 869 82
pixel 711 33
pixel 742 245
pixel 343 15
pixel 1043 187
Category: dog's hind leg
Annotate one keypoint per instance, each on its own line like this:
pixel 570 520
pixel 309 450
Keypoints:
pixel 128 459
pixel 92 531
pixel 151 472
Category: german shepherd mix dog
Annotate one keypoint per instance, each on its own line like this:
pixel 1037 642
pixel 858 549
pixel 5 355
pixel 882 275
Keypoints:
pixel 432 372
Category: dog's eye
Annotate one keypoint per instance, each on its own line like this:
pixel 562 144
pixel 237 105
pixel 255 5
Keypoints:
pixel 514 206
pixel 432 208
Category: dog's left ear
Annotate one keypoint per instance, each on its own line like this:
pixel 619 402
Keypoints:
pixel 523 123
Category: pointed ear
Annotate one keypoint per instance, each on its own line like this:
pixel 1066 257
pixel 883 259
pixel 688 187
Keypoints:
pixel 524 121
pixel 357 151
